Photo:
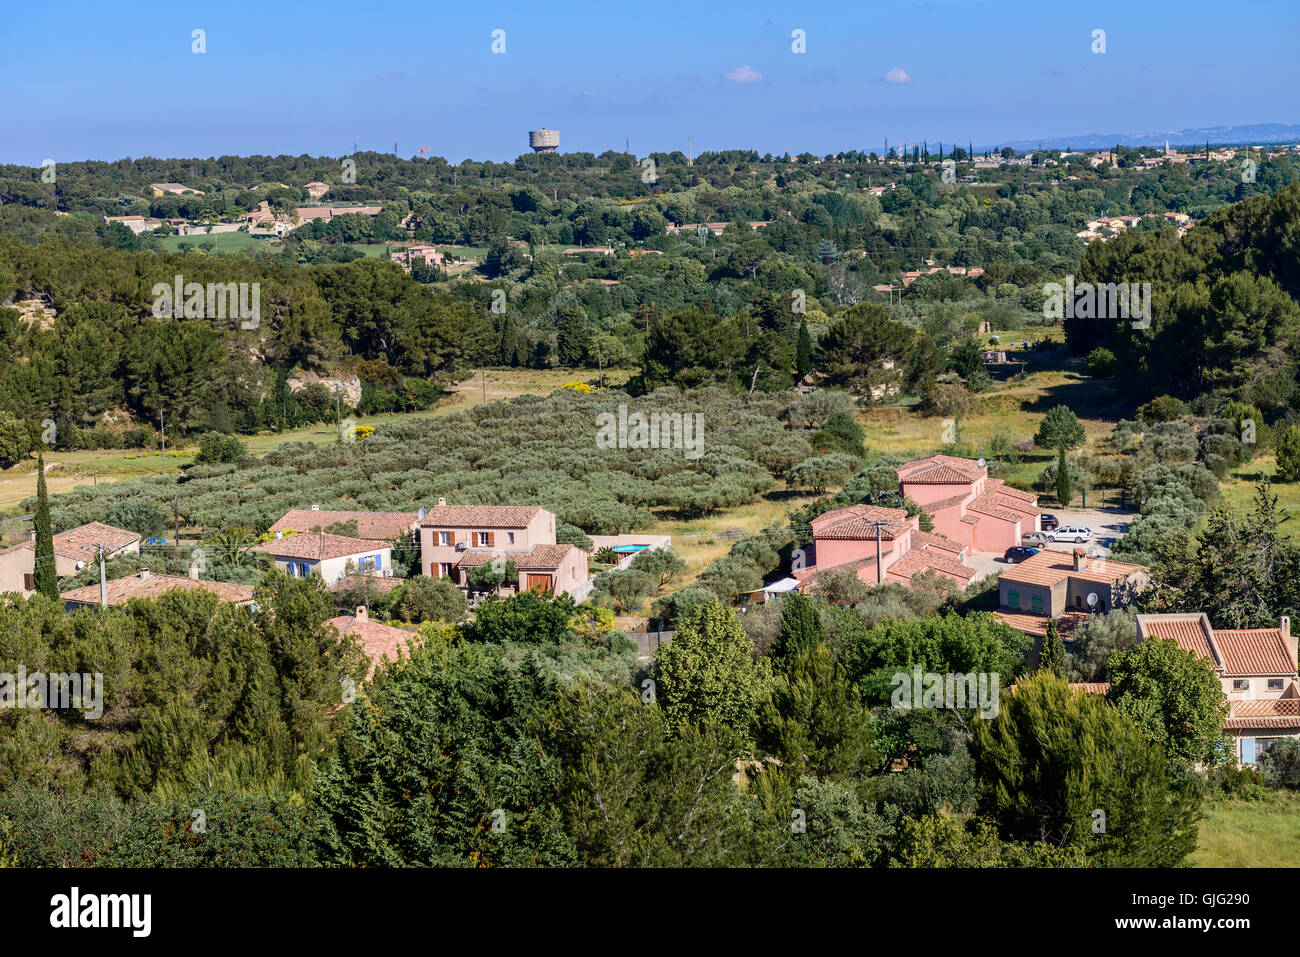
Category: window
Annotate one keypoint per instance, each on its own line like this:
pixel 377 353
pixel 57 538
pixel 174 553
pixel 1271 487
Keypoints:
pixel 483 539
pixel 379 562
pixel 1036 603
pixel 1013 598
pixel 1247 750
pixel 289 568
pixel 1078 601
pixel 1274 684
pixel 304 570
pixel 1240 684
pixel 29 582
pixel 444 569
pixel 444 538
pixel 510 538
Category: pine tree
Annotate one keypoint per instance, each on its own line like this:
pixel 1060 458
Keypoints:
pixel 803 361
pixel 1052 657
pixel 1062 477
pixel 46 578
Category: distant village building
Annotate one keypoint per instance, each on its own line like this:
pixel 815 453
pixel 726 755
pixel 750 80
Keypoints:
pixel 316 190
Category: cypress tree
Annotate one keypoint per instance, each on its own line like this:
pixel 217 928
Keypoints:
pixel 1052 657
pixel 45 577
pixel 1062 477
pixel 801 626
pixel 803 361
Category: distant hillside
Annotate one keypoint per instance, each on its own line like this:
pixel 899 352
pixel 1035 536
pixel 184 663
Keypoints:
pixel 1216 135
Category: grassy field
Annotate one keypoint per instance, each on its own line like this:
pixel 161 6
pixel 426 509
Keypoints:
pixel 1251 833
pixel 222 242
pixel 1013 406
pixel 1239 491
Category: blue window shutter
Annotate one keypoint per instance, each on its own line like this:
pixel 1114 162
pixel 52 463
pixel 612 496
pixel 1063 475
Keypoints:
pixel 1247 750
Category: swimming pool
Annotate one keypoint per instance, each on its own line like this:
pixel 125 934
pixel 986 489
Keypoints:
pixel 628 549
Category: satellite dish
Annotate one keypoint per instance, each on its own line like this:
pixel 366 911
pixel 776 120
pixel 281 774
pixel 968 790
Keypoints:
pixel 981 463
pixel 1092 599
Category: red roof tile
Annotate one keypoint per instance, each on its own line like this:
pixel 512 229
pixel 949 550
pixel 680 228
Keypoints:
pixel 319 546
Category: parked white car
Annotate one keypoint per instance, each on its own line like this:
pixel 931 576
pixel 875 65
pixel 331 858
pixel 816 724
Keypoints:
pixel 1035 539
pixel 1071 533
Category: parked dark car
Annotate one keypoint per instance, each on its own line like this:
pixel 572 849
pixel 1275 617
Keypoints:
pixel 1048 522
pixel 1018 553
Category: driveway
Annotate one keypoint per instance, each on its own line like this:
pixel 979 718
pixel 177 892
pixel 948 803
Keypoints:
pixel 1108 526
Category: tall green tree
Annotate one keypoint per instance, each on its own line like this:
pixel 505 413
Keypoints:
pixel 1052 657
pixel 1062 477
pixel 1060 429
pixel 708 674
pixel 1073 769
pixel 1173 696
pixel 803 362
pixel 801 626
pixel 45 575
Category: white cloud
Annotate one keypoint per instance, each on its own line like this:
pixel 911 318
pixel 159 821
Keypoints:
pixel 897 75
pixel 744 74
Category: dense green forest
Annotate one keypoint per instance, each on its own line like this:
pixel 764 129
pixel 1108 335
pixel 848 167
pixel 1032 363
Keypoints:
pixel 85 348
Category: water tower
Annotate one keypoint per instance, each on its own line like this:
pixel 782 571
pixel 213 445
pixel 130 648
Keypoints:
pixel 544 140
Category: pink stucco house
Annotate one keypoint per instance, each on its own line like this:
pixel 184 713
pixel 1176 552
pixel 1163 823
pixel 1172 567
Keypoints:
pixel 845 540
pixel 968 507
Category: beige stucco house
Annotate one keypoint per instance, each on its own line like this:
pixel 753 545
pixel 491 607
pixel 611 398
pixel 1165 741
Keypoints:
pixel 330 556
pixel 73 551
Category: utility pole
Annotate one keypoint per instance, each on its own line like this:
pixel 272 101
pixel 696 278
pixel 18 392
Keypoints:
pixel 162 432
pixel 483 375
pixel 880 572
pixel 176 514
pixel 103 578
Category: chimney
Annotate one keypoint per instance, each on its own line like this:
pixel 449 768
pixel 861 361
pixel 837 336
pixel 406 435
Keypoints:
pixel 1080 560
pixel 362 614
pixel 441 502
pixel 1284 625
pixel 144 574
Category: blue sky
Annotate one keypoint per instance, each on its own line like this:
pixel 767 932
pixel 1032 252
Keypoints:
pixel 94 80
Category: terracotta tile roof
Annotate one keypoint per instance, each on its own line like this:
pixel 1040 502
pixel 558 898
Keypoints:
pixel 949 502
pixel 1265 713
pixel 1049 567
pixel 380 584
pixel 536 558
pixel 373 525
pixel 954 470
pixel 379 642
pixel 79 543
pixel 970 520
pixel 319 545
pixel 938 475
pixel 852 522
pixel 922 539
pixel 1253 651
pixel 1190 631
pixel 1032 624
pixel 995 506
pixel 480 516
pixel 920 560
pixel 133 586
pixel 1002 488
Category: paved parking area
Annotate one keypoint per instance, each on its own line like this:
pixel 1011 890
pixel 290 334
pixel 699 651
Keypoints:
pixel 1108 526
